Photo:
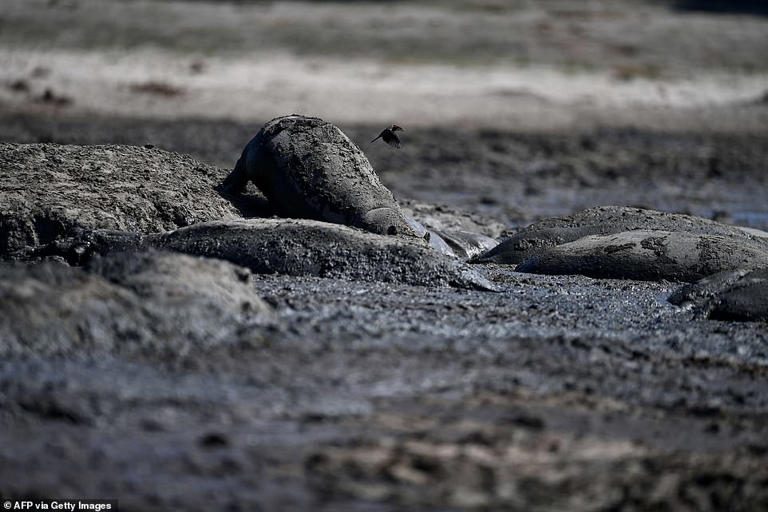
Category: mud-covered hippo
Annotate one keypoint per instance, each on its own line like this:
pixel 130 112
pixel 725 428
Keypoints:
pixel 309 169
pixel 298 247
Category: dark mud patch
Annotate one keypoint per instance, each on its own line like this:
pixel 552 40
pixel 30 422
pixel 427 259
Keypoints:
pixel 754 7
pixel 157 89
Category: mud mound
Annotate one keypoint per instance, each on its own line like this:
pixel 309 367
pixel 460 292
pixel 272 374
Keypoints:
pixel 128 303
pixel 47 191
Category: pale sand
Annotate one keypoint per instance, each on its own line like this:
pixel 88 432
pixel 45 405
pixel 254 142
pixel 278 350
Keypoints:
pixel 262 86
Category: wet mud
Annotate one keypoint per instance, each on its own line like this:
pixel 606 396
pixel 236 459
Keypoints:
pixel 554 391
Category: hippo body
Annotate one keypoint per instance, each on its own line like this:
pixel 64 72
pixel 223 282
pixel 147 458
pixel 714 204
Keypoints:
pixel 307 168
pixel 539 238
pixel 297 247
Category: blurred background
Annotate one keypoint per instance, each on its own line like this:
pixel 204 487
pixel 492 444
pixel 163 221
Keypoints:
pixel 515 109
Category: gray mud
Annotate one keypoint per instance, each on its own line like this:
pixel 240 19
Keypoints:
pixel 373 396
pixel 558 392
pixel 512 177
pixel 127 303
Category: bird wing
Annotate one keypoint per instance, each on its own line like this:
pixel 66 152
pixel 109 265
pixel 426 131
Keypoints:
pixel 380 136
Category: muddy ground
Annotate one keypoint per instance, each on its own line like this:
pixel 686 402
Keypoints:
pixel 511 176
pixel 557 393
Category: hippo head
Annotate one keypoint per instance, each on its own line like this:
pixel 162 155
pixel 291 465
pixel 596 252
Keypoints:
pixel 387 221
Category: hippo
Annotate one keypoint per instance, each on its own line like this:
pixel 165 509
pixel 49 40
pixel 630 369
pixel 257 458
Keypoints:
pixel 297 247
pixel 308 168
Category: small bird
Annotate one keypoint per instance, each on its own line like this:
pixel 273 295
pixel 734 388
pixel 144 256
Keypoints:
pixel 388 135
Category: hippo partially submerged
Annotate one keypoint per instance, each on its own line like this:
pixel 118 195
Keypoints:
pixel 297 247
pixel 309 169
pixel 619 242
pixel 731 295
pixel 537 239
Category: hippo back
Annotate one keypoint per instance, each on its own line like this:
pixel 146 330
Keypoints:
pixel 308 168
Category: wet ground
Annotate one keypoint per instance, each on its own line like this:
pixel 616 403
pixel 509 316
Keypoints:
pixel 563 393
pixel 510 176
pixel 557 392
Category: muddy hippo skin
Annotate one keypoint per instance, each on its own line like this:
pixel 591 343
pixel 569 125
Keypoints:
pixel 537 239
pixel 309 169
pixel 49 191
pixel 648 256
pixel 740 295
pixel 298 247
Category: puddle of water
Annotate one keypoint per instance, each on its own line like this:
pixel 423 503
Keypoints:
pixel 751 219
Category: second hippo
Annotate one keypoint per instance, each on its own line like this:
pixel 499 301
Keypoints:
pixel 307 168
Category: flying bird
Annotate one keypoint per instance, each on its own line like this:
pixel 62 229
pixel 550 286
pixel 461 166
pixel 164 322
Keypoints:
pixel 389 136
